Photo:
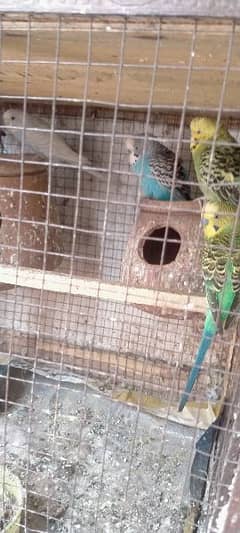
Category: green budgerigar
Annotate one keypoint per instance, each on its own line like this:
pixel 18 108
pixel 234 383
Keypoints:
pixel 221 271
pixel 218 174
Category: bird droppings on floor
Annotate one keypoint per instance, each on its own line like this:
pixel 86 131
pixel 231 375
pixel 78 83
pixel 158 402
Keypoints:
pixel 92 465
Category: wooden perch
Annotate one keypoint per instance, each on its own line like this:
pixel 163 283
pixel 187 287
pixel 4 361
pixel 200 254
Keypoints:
pixel 114 292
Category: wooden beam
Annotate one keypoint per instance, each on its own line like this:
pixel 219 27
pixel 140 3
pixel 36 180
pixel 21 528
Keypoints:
pixel 130 366
pixel 136 78
pixel 114 292
pixel 134 369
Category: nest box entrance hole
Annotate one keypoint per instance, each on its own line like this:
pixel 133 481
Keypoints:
pixel 161 246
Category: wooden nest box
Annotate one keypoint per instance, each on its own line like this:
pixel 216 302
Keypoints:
pixel 163 250
pixel 24 215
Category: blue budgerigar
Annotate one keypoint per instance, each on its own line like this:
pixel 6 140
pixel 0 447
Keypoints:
pixel 156 169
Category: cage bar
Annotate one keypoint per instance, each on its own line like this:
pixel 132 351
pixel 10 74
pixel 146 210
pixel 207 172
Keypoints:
pixel 98 336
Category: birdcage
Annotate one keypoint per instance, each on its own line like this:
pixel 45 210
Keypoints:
pixel 102 296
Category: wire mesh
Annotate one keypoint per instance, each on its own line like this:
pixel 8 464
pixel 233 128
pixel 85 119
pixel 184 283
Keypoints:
pixel 93 355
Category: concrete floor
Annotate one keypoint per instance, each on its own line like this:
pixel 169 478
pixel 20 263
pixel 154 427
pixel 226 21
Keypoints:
pixel 92 465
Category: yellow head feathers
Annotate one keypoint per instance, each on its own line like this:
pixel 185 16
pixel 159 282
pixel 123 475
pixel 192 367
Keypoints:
pixel 203 130
pixel 215 219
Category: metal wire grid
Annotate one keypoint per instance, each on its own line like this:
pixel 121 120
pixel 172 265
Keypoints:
pixel 123 194
pixel 122 199
pixel 88 322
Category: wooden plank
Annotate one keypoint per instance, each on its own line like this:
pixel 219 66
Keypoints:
pixel 62 283
pixel 157 375
pixel 98 23
pixel 140 44
pixel 128 365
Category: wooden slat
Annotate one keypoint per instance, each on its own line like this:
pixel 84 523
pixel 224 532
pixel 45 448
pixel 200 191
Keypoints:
pixel 98 23
pixel 62 283
pixel 157 375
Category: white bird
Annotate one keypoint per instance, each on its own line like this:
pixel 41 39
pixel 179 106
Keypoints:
pixel 39 141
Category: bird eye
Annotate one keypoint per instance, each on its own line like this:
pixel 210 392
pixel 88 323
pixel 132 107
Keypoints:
pixel 12 118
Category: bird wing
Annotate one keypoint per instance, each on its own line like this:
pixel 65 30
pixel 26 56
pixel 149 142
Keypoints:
pixel 235 278
pixel 210 275
pixel 221 273
pixel 162 167
pixel 224 175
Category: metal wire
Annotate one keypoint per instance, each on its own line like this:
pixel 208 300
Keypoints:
pixel 76 353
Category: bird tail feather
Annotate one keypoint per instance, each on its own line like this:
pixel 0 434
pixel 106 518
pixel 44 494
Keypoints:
pixel 205 343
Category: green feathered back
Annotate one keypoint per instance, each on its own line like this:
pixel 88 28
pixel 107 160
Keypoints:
pixel 218 174
pixel 222 183
pixel 221 271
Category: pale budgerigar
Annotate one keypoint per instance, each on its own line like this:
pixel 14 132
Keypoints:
pixel 40 141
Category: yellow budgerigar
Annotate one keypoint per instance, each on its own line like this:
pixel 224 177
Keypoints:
pixel 217 170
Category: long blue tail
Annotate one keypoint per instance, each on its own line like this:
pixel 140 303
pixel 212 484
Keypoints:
pixel 209 332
